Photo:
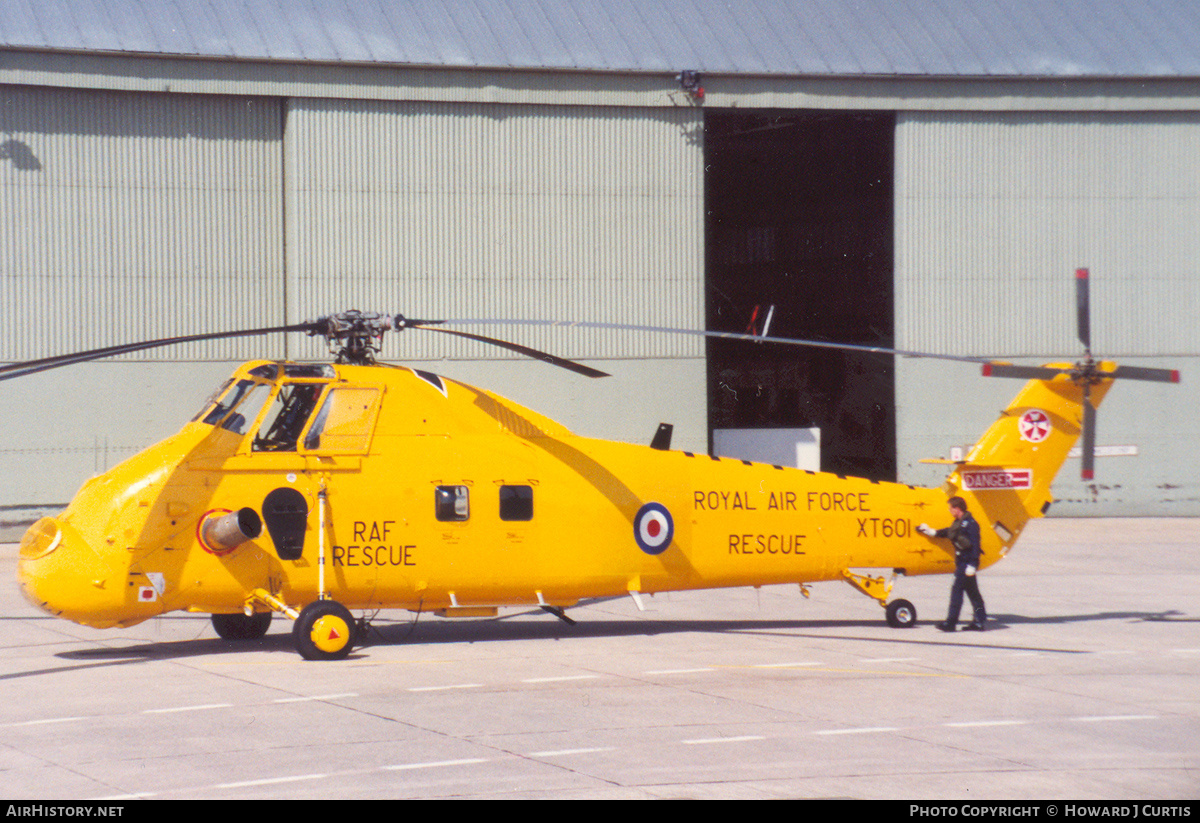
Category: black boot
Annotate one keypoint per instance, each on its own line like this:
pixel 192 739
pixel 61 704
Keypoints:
pixel 946 626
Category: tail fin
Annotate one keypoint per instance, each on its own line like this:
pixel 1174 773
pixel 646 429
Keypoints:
pixel 1006 476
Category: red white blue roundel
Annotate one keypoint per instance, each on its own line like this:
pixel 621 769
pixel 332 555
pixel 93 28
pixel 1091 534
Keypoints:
pixel 653 528
pixel 1034 426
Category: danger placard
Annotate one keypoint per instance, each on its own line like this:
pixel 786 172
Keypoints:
pixel 998 479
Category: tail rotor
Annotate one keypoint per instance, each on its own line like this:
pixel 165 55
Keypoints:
pixel 1085 373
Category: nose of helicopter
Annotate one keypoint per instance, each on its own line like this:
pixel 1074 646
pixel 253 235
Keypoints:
pixel 63 576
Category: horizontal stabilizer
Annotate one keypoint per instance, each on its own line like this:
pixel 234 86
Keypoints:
pixel 946 461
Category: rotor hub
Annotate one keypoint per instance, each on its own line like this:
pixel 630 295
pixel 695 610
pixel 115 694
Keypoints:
pixel 354 336
pixel 1086 372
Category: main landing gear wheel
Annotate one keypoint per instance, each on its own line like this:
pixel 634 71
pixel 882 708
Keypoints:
pixel 240 626
pixel 901 614
pixel 324 630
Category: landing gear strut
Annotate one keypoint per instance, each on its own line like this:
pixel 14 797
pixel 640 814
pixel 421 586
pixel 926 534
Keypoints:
pixel 323 630
pixel 900 614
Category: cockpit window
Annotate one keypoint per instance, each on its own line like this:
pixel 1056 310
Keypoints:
pixel 227 402
pixel 247 410
pixel 285 419
pixel 212 398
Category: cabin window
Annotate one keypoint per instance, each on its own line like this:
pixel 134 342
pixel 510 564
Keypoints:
pixel 285 419
pixel 320 370
pixel 452 503
pixel 516 502
pixel 345 422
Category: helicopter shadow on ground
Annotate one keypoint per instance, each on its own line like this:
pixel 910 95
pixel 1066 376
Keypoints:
pixel 509 628
pixel 387 633
pixel 1171 616
pixel 124 655
pixel 424 630
pixel 174 649
pixel 383 633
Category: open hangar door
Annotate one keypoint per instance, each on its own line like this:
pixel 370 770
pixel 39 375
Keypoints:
pixel 800 218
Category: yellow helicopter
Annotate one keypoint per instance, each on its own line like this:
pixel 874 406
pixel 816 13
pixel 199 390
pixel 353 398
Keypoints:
pixel 313 489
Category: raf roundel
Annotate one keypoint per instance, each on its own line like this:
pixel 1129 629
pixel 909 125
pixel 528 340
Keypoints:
pixel 653 528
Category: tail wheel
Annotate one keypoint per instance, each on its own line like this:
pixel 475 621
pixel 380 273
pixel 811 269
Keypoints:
pixel 324 631
pixel 901 614
pixel 240 626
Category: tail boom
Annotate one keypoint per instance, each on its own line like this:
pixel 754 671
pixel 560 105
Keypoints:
pixel 1007 475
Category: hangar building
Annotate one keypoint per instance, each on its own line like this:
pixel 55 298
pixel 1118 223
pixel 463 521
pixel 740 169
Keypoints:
pixel 901 173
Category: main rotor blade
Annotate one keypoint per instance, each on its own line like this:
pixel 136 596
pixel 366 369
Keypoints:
pixel 1083 309
pixel 1088 470
pixel 27 367
pixel 569 365
pixel 720 335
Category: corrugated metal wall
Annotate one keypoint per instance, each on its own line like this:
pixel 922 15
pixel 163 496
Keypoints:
pixel 994 212
pixel 499 211
pixel 137 216
pixel 1021 201
pixel 131 216
pixel 126 216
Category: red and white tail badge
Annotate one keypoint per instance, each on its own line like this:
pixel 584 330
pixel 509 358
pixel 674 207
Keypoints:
pixel 1034 426
pixel 997 479
pixel 653 528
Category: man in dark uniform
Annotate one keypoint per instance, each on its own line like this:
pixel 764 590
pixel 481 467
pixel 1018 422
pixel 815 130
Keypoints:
pixel 964 536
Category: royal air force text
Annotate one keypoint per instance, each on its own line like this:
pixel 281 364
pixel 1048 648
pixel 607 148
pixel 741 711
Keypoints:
pixel 855 504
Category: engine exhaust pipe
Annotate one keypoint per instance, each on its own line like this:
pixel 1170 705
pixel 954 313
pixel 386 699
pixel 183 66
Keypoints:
pixel 221 532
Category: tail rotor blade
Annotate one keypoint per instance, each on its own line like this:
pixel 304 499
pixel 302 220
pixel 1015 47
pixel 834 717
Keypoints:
pixel 1153 375
pixel 1023 372
pixel 1083 310
pixel 1089 435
